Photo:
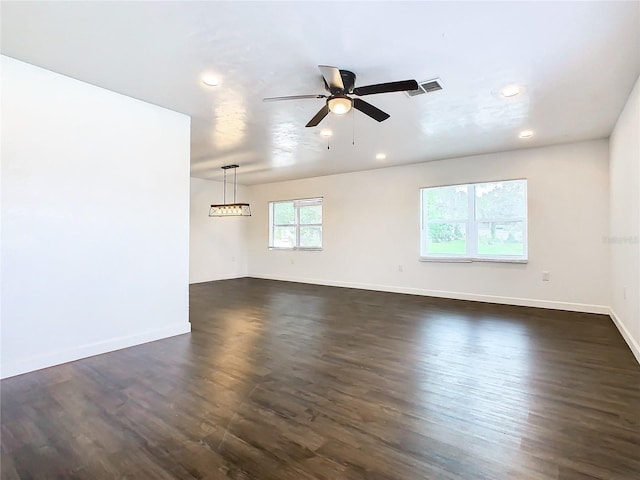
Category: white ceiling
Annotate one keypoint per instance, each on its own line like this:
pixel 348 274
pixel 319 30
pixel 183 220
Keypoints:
pixel 577 61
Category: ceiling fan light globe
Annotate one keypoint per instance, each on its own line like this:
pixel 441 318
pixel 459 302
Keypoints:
pixel 339 105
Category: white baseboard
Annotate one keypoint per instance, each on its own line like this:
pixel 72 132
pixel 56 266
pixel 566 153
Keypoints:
pixel 522 302
pixel 12 369
pixel 240 275
pixel 633 345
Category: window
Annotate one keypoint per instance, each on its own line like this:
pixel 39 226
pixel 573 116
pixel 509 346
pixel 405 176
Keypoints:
pixel 479 221
pixel 296 224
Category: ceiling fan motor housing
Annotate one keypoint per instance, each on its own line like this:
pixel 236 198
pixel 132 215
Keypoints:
pixel 348 80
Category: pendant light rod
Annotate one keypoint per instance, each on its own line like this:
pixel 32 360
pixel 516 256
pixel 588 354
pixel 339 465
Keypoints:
pixel 235 179
pixel 224 189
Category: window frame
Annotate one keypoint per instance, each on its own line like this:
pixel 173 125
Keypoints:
pixel 297 204
pixel 472 223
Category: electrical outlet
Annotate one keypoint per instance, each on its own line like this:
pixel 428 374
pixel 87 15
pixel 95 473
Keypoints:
pixel 233 259
pixel 292 261
pixel 546 276
pixel 400 268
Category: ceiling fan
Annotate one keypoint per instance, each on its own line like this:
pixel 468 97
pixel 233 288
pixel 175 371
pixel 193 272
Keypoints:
pixel 340 85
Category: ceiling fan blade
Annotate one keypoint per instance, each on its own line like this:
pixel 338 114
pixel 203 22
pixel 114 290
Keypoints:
pixel 332 77
pixel 292 97
pixel 324 111
pixel 368 109
pixel 404 85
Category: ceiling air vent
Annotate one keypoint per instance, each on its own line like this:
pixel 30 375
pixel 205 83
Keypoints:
pixel 413 93
pixel 431 85
pixel 427 86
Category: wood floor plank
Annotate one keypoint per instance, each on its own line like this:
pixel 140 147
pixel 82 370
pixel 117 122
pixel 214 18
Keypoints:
pixel 288 381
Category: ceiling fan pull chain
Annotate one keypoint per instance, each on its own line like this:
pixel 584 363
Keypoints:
pixel 353 133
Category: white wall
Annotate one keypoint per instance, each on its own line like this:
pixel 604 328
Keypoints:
pixel 217 246
pixel 624 227
pixel 95 225
pixel 371 227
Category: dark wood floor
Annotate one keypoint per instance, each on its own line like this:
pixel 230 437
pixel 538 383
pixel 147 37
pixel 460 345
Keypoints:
pixel 295 382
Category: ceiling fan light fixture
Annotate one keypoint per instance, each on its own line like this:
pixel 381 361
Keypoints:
pixel 339 104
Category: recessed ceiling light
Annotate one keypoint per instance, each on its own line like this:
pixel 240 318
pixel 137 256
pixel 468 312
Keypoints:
pixel 210 80
pixel 526 134
pixel 380 156
pixel 510 91
pixel 326 133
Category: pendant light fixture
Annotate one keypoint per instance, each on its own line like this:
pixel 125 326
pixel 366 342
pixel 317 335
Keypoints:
pixel 230 209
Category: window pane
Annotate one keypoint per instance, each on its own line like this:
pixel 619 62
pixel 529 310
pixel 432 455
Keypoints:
pixel 445 203
pixel 284 237
pixel 446 239
pixel 501 238
pixel 283 213
pixel 311 214
pixel 311 237
pixel 501 200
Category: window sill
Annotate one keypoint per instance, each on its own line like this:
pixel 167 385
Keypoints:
pixel 472 260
